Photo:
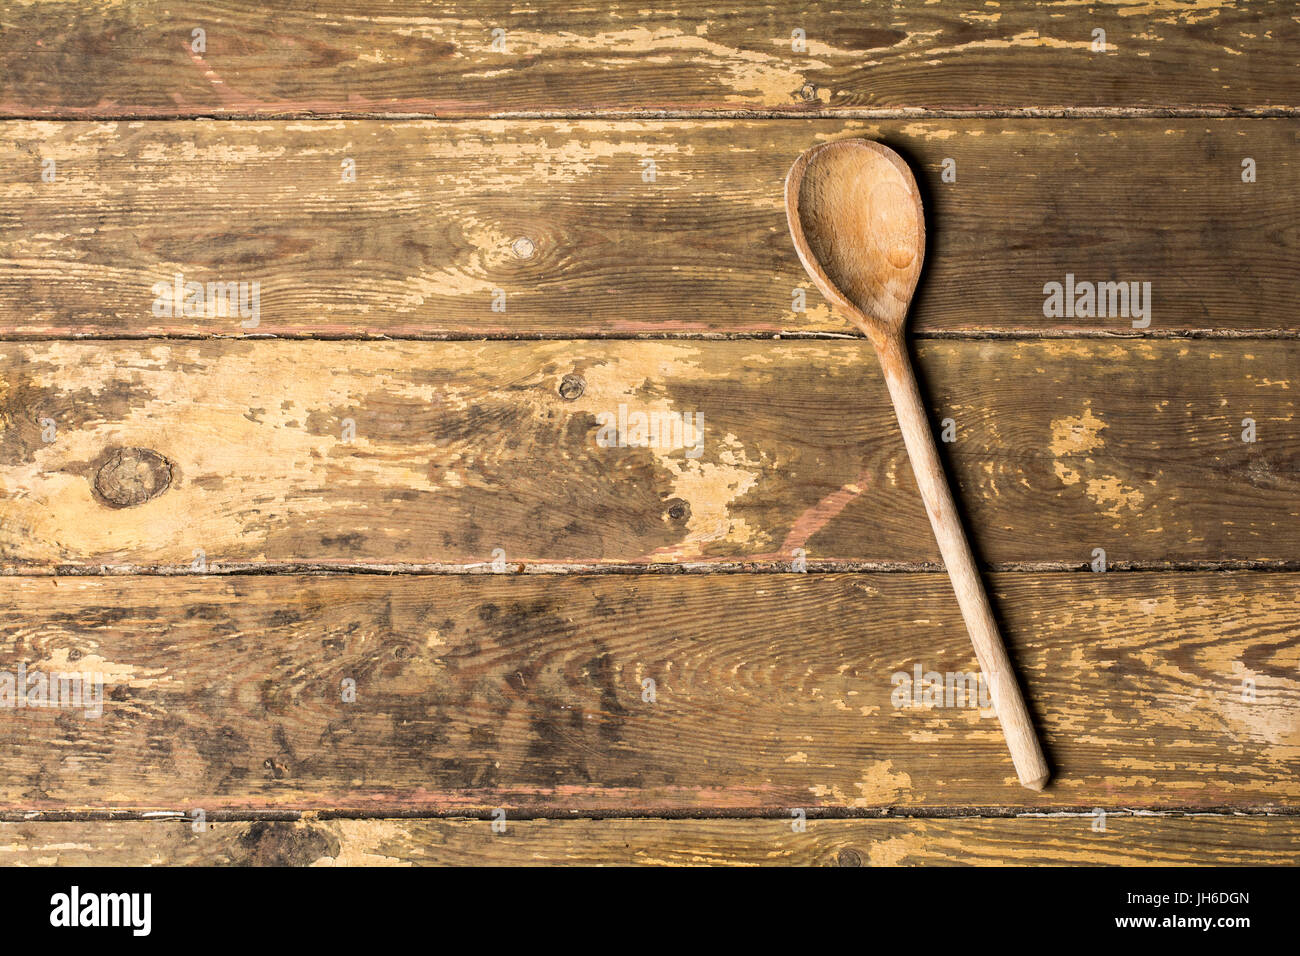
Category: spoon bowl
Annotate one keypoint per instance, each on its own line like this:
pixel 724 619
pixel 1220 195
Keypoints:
pixel 859 228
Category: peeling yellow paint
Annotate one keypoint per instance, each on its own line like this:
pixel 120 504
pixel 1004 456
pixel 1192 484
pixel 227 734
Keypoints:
pixel 879 784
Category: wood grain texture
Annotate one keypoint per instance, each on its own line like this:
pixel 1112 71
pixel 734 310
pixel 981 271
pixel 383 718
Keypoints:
pixel 431 228
pixel 1127 841
pixel 437 58
pixel 240 450
pixel 541 189
pixel 771 692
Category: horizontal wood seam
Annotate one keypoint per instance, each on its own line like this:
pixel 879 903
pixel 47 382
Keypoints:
pixel 578 568
pixel 520 815
pixel 967 335
pixel 792 113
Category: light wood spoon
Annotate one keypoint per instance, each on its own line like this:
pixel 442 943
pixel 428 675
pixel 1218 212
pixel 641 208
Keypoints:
pixel 856 219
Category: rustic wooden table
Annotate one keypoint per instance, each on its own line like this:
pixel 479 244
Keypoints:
pixel 328 333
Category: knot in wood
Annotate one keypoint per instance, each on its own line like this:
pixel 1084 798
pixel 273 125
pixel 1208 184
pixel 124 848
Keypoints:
pixel 131 476
pixel 571 387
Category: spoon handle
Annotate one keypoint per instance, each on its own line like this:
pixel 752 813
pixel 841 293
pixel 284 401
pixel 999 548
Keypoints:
pixel 1026 753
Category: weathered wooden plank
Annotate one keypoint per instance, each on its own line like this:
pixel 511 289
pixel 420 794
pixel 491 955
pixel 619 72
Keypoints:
pixel 142 454
pixel 555 223
pixel 530 693
pixel 1126 841
pixel 141 58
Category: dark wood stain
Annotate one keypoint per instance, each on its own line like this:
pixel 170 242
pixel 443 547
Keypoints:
pixel 773 691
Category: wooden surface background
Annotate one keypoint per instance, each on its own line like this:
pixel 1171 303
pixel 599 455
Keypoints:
pixel 382 479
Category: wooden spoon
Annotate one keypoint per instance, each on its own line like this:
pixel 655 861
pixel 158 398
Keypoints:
pixel 856 219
